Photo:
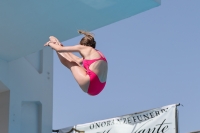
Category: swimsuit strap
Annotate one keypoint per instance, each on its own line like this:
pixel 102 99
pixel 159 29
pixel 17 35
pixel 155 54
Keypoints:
pixel 101 58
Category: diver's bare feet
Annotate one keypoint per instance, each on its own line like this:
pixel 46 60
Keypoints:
pixel 55 40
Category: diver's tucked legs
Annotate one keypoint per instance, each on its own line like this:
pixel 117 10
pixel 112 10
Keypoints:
pixel 68 55
pixel 65 55
pixel 71 61
pixel 78 72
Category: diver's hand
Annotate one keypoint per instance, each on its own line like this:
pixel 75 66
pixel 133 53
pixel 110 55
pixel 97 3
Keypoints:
pixel 47 43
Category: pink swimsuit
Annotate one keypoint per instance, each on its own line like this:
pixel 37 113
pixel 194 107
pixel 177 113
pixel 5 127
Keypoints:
pixel 96 86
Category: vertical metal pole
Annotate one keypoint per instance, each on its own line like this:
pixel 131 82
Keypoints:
pixel 177 118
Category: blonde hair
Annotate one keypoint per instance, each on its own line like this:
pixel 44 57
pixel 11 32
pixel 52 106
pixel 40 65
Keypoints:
pixel 88 39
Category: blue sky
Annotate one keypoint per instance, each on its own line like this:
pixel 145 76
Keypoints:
pixel 153 61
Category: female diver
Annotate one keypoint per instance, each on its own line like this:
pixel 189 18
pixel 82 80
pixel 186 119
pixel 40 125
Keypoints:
pixel 90 71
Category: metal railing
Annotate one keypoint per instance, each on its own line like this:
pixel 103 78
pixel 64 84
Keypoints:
pixel 73 129
pixel 195 132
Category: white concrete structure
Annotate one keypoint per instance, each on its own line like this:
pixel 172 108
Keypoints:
pixel 26 80
pixel 26 94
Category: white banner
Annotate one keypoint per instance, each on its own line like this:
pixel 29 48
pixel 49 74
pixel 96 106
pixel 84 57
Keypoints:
pixel 159 120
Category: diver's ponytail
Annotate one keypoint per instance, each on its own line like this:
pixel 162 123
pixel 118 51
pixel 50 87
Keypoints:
pixel 88 40
pixel 85 33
